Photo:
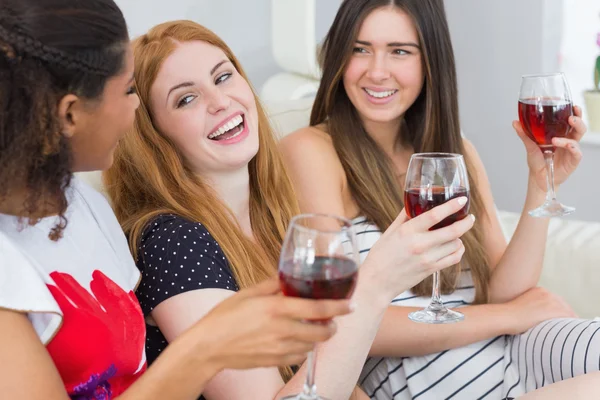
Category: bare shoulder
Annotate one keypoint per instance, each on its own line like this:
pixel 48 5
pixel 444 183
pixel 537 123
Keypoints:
pixel 310 146
pixel 310 137
pixel 316 171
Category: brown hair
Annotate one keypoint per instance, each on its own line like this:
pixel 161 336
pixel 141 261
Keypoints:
pixel 150 177
pixel 431 124
pixel 47 50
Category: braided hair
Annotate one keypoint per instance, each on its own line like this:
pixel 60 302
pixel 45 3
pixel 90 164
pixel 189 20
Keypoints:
pixel 48 49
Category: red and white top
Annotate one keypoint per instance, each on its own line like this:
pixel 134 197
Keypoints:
pixel 78 294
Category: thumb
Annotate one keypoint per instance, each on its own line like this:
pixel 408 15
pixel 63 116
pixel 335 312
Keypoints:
pixel 266 288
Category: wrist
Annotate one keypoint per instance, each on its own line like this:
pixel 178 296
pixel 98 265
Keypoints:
pixel 370 291
pixel 533 189
pixel 507 318
pixel 535 194
pixel 199 351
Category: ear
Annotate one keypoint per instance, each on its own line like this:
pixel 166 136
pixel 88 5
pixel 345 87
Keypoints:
pixel 70 114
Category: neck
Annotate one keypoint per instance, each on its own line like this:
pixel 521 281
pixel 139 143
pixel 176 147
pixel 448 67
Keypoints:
pixel 385 134
pixel 233 188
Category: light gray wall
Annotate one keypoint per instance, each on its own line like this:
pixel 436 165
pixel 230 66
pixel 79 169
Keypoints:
pixel 245 25
pixel 495 42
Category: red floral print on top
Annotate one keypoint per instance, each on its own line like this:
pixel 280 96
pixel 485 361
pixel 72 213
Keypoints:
pixel 99 348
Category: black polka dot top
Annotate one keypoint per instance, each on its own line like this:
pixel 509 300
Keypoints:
pixel 176 256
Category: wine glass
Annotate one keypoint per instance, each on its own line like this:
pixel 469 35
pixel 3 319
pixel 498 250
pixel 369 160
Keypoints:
pixel 431 180
pixel 319 260
pixel 545 106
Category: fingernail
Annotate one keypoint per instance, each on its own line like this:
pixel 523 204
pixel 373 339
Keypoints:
pixel 462 200
pixel 473 217
pixel 352 306
pixel 574 120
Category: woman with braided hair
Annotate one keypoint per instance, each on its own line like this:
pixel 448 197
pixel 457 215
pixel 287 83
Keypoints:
pixel 71 325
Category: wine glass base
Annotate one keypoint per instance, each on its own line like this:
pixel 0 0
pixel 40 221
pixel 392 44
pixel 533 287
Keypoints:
pixel 436 316
pixel 551 209
pixel 303 397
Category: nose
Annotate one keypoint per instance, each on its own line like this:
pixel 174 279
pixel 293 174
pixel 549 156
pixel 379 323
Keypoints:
pixel 378 70
pixel 217 100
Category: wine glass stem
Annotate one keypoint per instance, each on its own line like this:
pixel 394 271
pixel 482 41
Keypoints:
pixel 310 389
pixel 549 158
pixel 435 293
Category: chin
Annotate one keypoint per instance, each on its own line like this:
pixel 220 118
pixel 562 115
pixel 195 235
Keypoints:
pixel 383 117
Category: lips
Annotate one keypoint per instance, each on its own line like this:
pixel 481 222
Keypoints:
pixel 232 127
pixel 380 94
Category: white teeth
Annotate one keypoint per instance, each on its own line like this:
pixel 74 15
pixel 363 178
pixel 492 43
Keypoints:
pixel 226 127
pixel 380 95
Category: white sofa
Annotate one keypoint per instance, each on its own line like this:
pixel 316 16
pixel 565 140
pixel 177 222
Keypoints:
pixel 572 261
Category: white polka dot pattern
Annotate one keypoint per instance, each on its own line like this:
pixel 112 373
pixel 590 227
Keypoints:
pixel 177 256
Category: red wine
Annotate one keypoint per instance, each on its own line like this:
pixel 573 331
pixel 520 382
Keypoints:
pixel 419 200
pixel 545 119
pixel 326 278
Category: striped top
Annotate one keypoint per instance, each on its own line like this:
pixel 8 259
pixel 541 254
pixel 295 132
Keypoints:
pixel 475 371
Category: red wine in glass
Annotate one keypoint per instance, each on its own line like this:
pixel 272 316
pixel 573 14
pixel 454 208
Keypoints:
pixel 544 119
pixel 325 278
pixel 420 200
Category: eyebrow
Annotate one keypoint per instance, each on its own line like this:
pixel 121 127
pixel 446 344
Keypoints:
pixel 216 67
pixel 190 83
pixel 392 44
pixel 179 86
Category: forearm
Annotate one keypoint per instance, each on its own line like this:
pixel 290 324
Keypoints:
pixel 521 264
pixel 176 374
pixel 400 337
pixel 340 360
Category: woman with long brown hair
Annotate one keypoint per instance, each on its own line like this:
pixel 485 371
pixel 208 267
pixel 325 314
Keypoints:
pixel 388 91
pixel 202 193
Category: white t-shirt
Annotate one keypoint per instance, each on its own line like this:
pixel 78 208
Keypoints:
pixel 78 293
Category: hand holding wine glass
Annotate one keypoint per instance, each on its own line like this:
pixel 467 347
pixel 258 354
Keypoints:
pixel 410 251
pixel 551 134
pixel 269 329
pixel 567 154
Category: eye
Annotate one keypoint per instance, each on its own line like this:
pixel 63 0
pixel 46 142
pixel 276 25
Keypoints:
pixel 400 52
pixel 223 78
pixel 360 50
pixel 185 100
pixel 131 91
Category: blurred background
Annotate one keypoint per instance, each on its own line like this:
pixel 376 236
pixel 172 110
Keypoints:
pixel 495 42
